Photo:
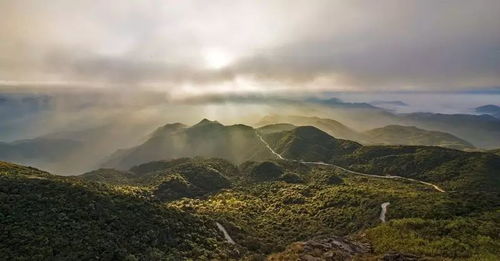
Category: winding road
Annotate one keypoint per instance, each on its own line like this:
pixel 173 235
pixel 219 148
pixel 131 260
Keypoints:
pixel 226 235
pixel 383 205
pixel 383 211
pixel 346 170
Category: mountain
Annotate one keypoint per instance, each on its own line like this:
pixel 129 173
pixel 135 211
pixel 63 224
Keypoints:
pixel 451 169
pixel 410 135
pixel 278 127
pixel 496 151
pixel 483 131
pixel 338 103
pixel 48 217
pixel 309 144
pixel 332 127
pixel 391 103
pixel 173 179
pixel 274 209
pixel 490 109
pixel 236 143
pixel 40 152
pixel 389 135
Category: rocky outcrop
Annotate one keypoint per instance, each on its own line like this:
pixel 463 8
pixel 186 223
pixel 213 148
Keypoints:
pixel 330 248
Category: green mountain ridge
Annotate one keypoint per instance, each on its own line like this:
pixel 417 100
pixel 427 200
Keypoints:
pixel 411 135
pixel 387 135
pixel 451 168
pixel 237 143
pixel 48 217
pixel 330 126
pixel 262 210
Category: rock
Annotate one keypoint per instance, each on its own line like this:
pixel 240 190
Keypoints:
pixel 330 248
pixel 395 256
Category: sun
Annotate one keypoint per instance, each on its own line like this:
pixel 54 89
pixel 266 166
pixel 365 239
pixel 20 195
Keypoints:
pixel 216 59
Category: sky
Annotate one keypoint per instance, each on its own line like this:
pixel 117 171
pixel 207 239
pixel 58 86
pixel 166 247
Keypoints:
pixel 223 46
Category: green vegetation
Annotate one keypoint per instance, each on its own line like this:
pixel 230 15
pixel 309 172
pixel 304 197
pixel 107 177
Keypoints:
pixel 167 209
pixel 454 170
pixel 44 217
pixel 410 135
pixel 497 152
pixel 267 216
pixel 475 238
pixel 309 144
pixel 109 176
pixel 332 127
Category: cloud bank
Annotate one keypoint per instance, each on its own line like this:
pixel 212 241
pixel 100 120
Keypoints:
pixel 186 47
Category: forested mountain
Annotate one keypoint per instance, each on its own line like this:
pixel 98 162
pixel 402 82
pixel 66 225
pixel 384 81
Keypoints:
pixel 237 143
pixel 387 135
pixel 309 144
pixel 411 135
pixel 47 217
pixel 266 206
pixel 330 126
pixel 482 131
pixel 279 191
pixel 452 168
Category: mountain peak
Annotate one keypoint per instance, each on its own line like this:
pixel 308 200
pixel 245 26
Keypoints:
pixel 207 121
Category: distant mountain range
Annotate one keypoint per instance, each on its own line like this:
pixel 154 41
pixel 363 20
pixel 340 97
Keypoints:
pixel 330 126
pixel 389 135
pixel 44 151
pixel 492 110
pixel 410 135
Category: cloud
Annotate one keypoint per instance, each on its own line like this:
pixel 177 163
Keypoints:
pixel 282 45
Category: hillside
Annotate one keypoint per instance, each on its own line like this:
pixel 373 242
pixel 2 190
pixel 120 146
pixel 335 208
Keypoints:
pixel 453 169
pixel 483 131
pixel 170 180
pixel 497 151
pixel 264 207
pixel 267 214
pixel 450 168
pixel 46 217
pixel 236 143
pixel 410 135
pixel 332 127
pixel 309 144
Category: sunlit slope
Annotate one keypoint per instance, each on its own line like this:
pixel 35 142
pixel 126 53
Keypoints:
pixel 309 144
pixel 47 217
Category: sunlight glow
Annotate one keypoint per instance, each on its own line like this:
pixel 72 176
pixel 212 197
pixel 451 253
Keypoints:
pixel 216 59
